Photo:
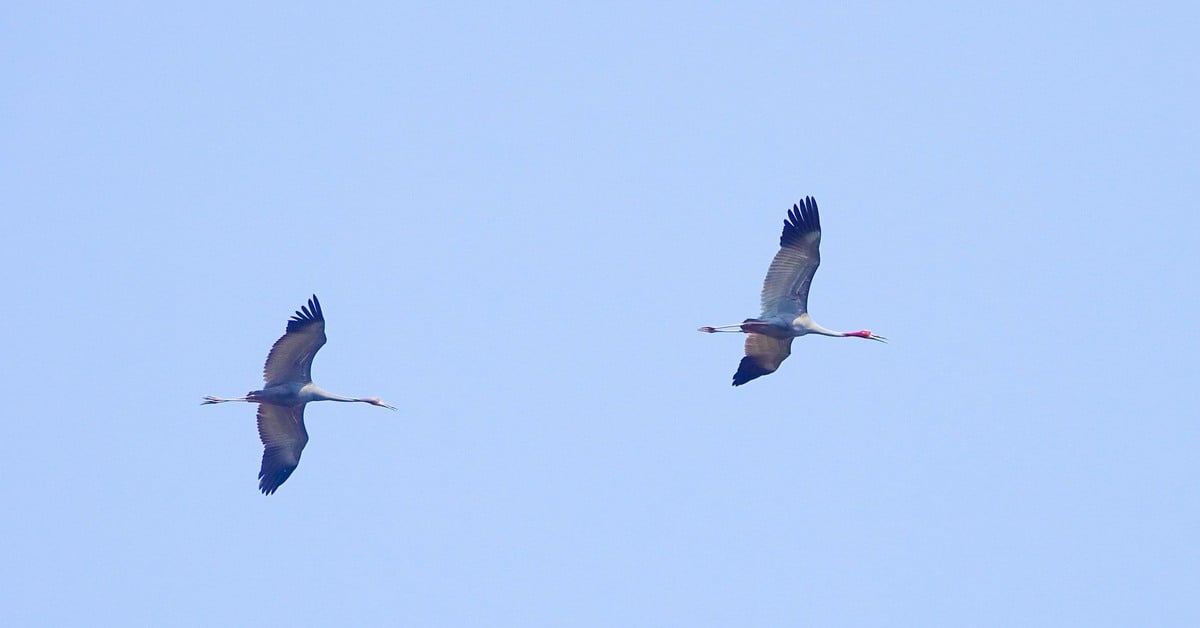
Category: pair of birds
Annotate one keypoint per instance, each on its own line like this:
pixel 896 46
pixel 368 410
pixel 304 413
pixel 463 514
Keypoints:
pixel 288 371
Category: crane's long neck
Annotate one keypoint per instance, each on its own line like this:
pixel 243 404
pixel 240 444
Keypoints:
pixel 806 324
pixel 318 394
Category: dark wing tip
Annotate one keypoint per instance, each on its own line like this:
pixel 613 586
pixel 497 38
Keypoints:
pixel 803 219
pixel 272 476
pixel 306 315
pixel 749 369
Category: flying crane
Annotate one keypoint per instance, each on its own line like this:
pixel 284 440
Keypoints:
pixel 288 387
pixel 785 299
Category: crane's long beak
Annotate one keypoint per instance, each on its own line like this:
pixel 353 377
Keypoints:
pixel 877 337
pixel 389 407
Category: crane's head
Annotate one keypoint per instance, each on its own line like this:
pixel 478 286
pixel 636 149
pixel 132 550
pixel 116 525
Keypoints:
pixel 376 401
pixel 866 333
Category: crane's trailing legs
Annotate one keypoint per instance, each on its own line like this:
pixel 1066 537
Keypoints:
pixel 730 329
pixel 212 399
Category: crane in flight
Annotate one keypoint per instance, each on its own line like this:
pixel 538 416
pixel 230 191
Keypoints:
pixel 785 299
pixel 289 386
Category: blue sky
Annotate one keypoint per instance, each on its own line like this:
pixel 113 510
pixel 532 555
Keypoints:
pixel 515 219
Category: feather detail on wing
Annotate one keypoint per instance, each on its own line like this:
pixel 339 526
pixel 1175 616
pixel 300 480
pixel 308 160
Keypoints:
pixel 785 290
pixel 290 359
pixel 764 354
pixel 281 429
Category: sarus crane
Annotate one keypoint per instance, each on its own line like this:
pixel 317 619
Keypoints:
pixel 288 387
pixel 785 299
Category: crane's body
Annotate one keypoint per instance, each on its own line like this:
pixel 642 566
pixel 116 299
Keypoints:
pixel 288 388
pixel 785 299
pixel 287 394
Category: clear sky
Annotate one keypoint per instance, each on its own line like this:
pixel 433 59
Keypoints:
pixel 516 218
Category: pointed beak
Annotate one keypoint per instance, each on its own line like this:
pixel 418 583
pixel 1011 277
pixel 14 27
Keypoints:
pixel 389 407
pixel 877 337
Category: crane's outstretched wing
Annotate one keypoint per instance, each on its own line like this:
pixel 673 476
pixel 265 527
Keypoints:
pixel 764 354
pixel 281 429
pixel 785 290
pixel 290 359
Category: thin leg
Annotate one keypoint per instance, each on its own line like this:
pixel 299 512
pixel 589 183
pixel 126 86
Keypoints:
pixel 734 328
pixel 211 399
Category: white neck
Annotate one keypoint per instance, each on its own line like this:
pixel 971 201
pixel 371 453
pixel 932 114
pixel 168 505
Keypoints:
pixel 321 395
pixel 806 324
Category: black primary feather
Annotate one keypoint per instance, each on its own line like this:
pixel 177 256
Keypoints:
pixel 749 369
pixel 306 315
pixel 803 219
pixel 272 474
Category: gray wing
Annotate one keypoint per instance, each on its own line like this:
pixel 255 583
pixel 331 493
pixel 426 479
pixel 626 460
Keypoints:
pixel 785 290
pixel 764 354
pixel 290 359
pixel 281 429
